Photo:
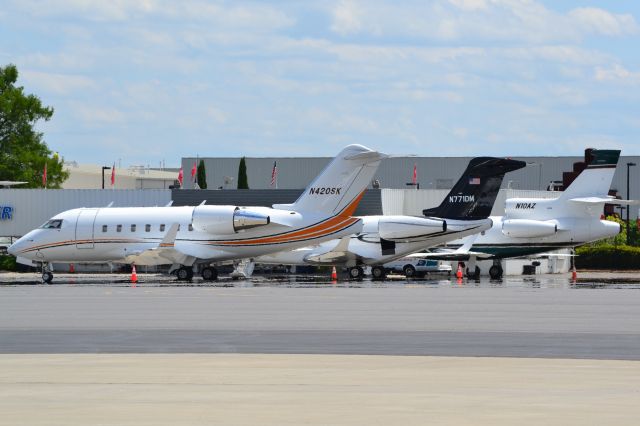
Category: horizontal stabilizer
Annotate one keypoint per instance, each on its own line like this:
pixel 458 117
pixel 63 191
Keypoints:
pixel 600 200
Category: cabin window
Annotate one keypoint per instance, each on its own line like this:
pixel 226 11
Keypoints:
pixel 133 228
pixel 118 228
pixel 162 227
pixel 52 224
pixel 147 228
pixel 190 227
pixel 104 228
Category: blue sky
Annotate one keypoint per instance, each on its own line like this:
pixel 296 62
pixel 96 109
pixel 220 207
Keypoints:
pixel 150 80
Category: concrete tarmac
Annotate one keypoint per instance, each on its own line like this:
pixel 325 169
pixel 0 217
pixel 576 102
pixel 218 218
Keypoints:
pixel 411 319
pixel 233 389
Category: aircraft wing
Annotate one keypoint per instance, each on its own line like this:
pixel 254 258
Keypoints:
pixel 163 253
pixel 463 252
pixel 339 254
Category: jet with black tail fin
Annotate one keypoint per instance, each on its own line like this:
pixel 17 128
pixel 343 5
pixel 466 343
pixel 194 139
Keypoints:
pixel 532 226
pixel 464 211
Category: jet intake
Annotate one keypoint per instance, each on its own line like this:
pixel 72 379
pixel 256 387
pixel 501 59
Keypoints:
pixel 225 220
pixel 528 228
pixel 402 228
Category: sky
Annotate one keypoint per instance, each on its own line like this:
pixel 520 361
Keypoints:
pixel 152 81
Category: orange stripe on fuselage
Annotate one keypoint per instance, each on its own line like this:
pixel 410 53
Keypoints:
pixel 321 229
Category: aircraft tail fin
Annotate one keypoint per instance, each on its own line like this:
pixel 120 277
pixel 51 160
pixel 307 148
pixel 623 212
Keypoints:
pixel 338 188
pixel 473 196
pixel 595 179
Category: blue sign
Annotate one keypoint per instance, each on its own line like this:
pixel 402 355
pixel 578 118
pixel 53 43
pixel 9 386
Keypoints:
pixel 6 212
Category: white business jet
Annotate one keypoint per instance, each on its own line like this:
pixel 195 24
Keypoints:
pixel 206 234
pixel 464 211
pixel 537 225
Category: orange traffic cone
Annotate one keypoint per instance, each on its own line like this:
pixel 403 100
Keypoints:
pixel 72 269
pixel 574 274
pixel 134 275
pixel 459 271
pixel 334 274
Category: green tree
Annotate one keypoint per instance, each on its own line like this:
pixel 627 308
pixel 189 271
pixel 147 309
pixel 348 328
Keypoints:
pixel 23 153
pixel 243 181
pixel 201 175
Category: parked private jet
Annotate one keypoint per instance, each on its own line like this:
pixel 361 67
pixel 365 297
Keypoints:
pixel 464 211
pixel 206 234
pixel 537 225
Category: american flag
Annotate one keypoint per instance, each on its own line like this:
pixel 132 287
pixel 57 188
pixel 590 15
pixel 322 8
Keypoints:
pixel 474 181
pixel 113 175
pixel 414 178
pixel 274 175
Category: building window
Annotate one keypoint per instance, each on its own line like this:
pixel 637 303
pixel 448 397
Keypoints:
pixel 104 228
pixel 118 228
pixel 162 227
pixel 147 228
pixel 133 228
pixel 190 227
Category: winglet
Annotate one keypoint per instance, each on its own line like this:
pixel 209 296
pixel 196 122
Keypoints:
pixel 170 238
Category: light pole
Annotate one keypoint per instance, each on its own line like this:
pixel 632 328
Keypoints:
pixel 629 165
pixel 534 163
pixel 103 169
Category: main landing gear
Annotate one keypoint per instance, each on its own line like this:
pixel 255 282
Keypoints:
pixel 185 273
pixel 356 273
pixel 495 272
pixel 378 273
pixel 209 273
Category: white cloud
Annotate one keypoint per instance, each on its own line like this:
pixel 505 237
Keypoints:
pixel 507 20
pixel 469 4
pixel 96 116
pixel 599 21
pixel 218 115
pixel 617 73
pixel 61 84
pixel 346 18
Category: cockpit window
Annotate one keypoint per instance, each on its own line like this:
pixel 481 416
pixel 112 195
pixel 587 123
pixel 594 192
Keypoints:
pixel 52 224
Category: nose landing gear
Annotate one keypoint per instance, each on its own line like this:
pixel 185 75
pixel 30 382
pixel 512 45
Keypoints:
pixel 47 275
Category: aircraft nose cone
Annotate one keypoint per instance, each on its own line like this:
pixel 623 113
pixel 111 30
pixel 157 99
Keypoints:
pixel 13 249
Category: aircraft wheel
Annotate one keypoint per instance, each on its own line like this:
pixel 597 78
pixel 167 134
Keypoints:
pixel 495 272
pixel 475 274
pixel 378 273
pixel 47 277
pixel 356 273
pixel 409 271
pixel 209 273
pixel 185 273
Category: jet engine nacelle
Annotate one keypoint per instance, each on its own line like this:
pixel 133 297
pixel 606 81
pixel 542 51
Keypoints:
pixel 406 227
pixel 224 220
pixel 528 228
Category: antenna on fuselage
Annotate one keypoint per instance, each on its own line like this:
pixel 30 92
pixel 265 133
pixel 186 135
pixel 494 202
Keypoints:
pixel 109 205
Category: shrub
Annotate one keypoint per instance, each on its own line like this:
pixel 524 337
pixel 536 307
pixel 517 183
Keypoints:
pixel 608 256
